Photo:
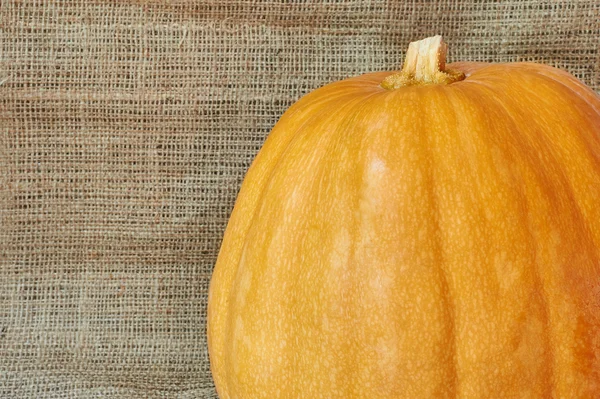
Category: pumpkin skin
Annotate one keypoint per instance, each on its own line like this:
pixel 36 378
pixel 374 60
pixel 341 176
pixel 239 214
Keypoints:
pixel 432 241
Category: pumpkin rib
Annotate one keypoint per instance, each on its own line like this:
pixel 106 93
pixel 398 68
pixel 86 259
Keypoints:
pixel 590 304
pixel 245 195
pixel 347 131
pixel 567 190
pixel 527 208
pixel 226 306
pixel 491 95
pixel 359 167
pixel 362 263
pixel 334 138
pixel 298 136
pixel 454 128
pixel 338 137
pixel 348 367
pixel 260 203
pixel 458 133
pixel 443 380
pixel 472 142
pixel 434 205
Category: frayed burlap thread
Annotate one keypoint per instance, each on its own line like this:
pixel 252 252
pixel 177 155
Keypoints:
pixel 126 128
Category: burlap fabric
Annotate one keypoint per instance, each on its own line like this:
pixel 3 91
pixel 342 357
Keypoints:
pixel 126 128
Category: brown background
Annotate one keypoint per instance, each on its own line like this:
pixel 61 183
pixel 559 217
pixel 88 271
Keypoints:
pixel 126 128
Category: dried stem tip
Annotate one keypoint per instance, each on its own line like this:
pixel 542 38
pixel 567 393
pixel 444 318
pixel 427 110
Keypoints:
pixel 425 63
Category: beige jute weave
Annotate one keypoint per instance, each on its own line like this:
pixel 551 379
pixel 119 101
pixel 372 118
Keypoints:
pixel 126 127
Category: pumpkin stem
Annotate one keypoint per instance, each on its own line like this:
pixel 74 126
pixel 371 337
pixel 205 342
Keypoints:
pixel 425 64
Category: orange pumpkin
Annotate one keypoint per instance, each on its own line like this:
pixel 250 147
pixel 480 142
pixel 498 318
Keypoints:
pixel 429 233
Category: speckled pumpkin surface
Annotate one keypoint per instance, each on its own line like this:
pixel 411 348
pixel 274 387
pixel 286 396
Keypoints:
pixel 435 240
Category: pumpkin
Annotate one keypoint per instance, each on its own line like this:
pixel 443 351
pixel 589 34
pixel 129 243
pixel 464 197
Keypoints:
pixel 427 233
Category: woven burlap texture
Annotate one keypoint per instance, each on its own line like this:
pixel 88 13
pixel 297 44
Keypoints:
pixel 126 128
